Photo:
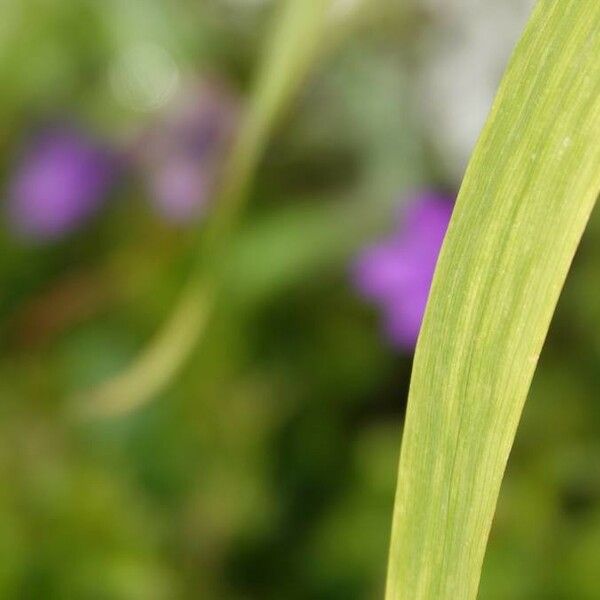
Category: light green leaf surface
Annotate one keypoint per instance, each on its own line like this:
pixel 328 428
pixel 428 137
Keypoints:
pixel 523 206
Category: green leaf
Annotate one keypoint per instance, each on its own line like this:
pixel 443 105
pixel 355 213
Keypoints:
pixel 523 206
pixel 521 211
pixel 297 38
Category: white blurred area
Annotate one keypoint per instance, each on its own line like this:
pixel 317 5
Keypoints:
pixel 466 51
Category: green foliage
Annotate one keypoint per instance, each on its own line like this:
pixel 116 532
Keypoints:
pixel 265 469
pixel 523 206
pixel 295 39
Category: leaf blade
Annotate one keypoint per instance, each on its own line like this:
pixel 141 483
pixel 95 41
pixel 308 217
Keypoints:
pixel 524 203
pixel 294 44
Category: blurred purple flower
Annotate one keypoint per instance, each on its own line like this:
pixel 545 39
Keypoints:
pixel 181 156
pixel 396 273
pixel 61 181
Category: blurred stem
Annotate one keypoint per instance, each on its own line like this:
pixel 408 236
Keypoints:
pixel 288 56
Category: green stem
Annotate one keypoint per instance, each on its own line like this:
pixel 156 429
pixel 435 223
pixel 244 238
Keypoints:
pixel 289 54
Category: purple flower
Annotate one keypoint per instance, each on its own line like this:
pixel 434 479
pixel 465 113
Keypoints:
pixel 182 155
pixel 396 273
pixel 60 182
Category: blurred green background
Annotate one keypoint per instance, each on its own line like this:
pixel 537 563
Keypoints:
pixel 267 469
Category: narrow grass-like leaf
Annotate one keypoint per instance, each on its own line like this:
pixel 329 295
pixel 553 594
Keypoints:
pixel 523 206
pixel 296 39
